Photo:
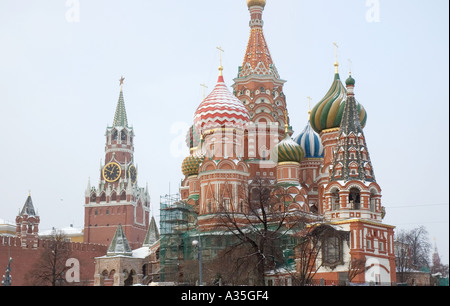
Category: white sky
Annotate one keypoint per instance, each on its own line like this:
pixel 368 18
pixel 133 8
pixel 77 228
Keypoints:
pixel 59 83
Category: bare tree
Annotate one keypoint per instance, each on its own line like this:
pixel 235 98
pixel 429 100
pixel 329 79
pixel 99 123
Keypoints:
pixel 420 245
pixel 260 225
pixel 49 269
pixel 402 256
pixel 356 266
pixel 412 249
pixel 319 245
pixel 307 252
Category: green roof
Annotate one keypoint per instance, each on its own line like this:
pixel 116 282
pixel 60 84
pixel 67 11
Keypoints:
pixel 119 245
pixel 120 117
pixel 152 234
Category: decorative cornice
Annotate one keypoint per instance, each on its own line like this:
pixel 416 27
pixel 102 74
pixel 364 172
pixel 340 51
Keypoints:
pixel 357 220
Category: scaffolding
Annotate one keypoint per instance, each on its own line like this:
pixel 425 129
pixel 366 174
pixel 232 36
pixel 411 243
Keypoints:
pixel 177 220
pixel 179 227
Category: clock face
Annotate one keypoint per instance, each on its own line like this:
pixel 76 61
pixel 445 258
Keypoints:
pixel 112 172
pixel 132 172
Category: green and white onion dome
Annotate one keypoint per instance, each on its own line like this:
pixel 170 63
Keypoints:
pixel 287 151
pixel 327 114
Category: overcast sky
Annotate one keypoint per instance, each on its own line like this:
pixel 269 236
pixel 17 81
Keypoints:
pixel 61 61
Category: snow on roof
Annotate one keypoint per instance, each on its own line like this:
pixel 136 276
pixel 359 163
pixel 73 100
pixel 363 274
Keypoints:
pixel 4 222
pixel 141 252
pixel 69 231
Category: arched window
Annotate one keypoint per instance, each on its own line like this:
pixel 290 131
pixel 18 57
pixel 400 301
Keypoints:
pixel 331 250
pixel 129 277
pixel 335 205
pixel 123 136
pixel 115 135
pixel 372 203
pixel 355 198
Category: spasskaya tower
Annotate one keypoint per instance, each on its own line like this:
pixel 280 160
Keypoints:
pixel 118 199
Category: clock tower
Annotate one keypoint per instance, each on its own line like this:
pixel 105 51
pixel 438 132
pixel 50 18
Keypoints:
pixel 118 199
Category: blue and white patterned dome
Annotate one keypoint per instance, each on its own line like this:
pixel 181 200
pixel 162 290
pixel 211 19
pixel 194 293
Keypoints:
pixel 310 141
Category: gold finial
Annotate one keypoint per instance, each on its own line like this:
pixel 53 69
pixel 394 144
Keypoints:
pixel 286 125
pixel 204 88
pixel 336 64
pixel 350 66
pixel 121 82
pixel 309 106
pixel 220 53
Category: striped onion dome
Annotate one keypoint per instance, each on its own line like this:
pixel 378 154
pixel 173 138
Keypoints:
pixel 287 151
pixel 327 114
pixel 310 142
pixel 221 109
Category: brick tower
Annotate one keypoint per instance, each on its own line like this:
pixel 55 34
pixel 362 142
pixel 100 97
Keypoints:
pixel 325 120
pixel 118 199
pixel 27 222
pixel 352 198
pixel 259 87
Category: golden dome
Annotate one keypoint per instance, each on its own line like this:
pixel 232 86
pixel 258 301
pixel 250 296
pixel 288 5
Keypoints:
pixel 251 3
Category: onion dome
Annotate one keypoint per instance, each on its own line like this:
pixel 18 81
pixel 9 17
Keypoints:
pixel 251 3
pixel 310 142
pixel 350 81
pixel 221 109
pixel 287 151
pixel 191 164
pixel 327 114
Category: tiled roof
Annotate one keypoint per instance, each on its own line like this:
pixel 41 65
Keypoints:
pixel 220 109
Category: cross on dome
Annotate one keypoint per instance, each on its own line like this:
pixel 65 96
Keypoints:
pixel 220 59
pixel 336 64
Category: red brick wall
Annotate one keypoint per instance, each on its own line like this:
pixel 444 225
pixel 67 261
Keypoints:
pixel 24 259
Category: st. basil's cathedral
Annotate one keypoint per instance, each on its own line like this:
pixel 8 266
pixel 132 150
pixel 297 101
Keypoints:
pixel 241 133
pixel 245 132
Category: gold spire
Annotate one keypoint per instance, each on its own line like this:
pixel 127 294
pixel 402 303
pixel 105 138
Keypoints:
pixel 336 64
pixel 220 53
